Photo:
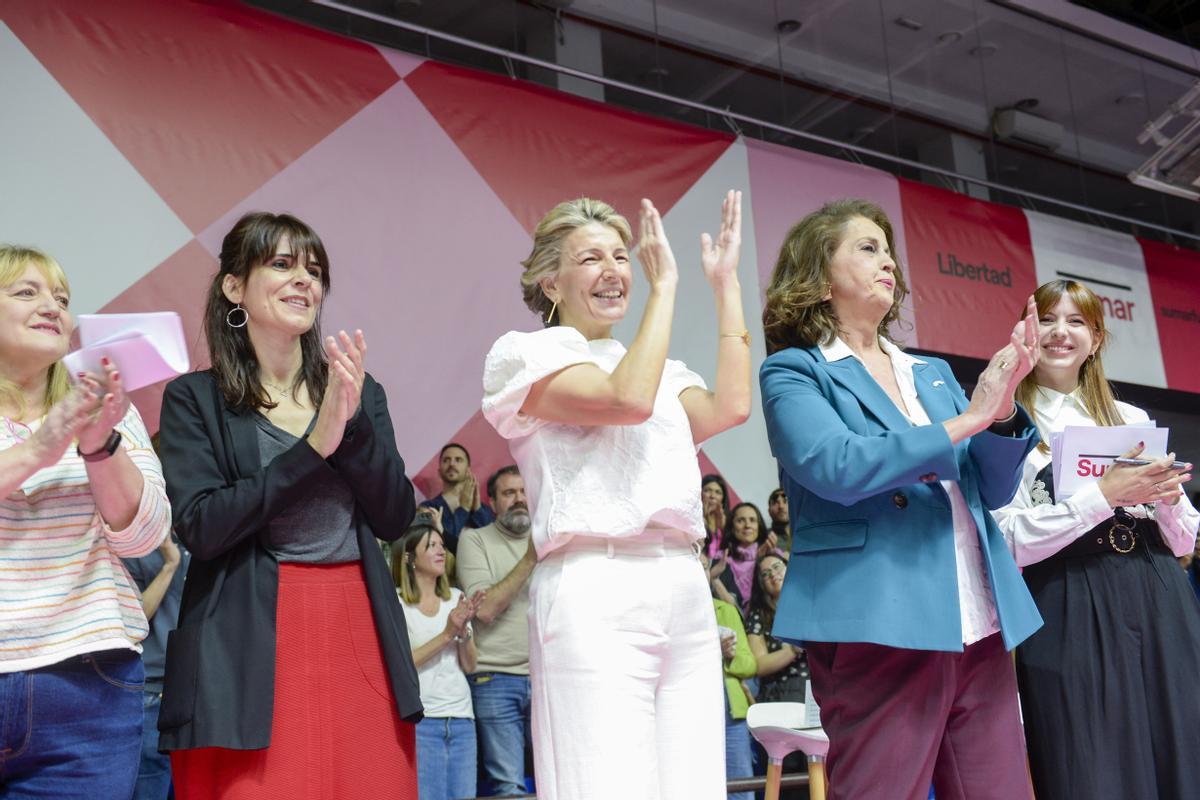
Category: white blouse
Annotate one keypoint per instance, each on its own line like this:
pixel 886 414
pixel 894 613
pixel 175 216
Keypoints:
pixel 444 688
pixel 977 607
pixel 1035 531
pixel 596 480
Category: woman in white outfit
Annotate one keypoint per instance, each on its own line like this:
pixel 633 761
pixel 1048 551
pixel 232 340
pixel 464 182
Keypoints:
pixel 624 659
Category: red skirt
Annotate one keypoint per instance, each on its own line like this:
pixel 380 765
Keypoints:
pixel 335 732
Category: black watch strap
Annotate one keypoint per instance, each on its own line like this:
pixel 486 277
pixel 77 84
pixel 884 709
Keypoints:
pixel 110 447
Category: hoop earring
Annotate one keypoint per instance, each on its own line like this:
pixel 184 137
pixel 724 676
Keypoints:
pixel 550 316
pixel 229 317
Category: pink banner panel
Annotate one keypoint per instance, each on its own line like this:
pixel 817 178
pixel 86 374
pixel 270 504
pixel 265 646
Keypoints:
pixel 1174 275
pixel 537 147
pixel 970 267
pixel 206 100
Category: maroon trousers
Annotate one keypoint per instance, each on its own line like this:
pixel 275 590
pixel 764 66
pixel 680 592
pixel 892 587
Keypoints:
pixel 898 720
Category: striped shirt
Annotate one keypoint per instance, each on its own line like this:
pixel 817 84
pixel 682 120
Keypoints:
pixel 63 588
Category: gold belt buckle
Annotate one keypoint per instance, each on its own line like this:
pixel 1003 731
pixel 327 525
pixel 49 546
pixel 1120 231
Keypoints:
pixel 1126 532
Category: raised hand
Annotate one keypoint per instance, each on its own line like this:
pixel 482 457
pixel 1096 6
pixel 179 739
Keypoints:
pixel 1156 482
pixel 113 405
pixel 468 492
pixel 720 258
pixel 654 251
pixel 435 517
pixel 993 395
pixel 342 392
pixel 64 421
pixel 768 546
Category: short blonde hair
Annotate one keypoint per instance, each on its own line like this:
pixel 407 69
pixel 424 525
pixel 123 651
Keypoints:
pixel 796 313
pixel 548 237
pixel 13 261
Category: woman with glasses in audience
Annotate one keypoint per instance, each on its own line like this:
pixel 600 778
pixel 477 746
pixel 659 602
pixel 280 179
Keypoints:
pixel 1108 686
pixel 781 666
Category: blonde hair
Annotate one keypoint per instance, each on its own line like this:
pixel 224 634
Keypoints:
pixel 13 261
pixel 548 237
pixel 404 571
pixel 796 313
pixel 1094 391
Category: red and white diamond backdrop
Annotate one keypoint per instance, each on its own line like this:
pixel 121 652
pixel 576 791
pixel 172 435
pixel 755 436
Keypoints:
pixel 138 131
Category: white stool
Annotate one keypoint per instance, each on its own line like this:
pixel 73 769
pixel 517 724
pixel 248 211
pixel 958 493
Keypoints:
pixel 778 728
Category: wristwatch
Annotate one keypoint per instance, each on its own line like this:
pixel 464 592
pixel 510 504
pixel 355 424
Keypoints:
pixel 110 447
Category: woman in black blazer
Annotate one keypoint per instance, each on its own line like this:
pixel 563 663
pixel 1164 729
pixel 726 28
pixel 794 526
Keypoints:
pixel 290 674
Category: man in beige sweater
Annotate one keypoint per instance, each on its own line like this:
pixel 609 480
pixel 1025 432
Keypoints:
pixel 499 558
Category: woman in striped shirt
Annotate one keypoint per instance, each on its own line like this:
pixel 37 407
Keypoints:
pixel 80 488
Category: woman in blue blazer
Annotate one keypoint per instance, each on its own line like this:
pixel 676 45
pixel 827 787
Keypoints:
pixel 900 586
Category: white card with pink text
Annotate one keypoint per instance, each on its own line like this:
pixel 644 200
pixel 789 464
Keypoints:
pixel 1082 453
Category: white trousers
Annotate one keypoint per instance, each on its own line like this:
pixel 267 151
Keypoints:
pixel 625 667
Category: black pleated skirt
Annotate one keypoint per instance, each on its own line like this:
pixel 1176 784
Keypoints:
pixel 1110 686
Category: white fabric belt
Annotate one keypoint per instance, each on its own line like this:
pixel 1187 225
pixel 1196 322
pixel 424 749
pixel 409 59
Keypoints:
pixel 648 543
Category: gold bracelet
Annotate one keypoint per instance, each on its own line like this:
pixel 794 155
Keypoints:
pixel 744 336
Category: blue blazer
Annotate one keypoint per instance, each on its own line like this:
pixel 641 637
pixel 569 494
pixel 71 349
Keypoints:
pixel 872 536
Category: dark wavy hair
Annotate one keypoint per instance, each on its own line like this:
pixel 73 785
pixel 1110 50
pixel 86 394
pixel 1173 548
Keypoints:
pixel 252 242
pixel 759 601
pixel 729 540
pixel 796 313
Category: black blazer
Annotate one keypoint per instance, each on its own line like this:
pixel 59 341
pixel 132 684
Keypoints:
pixel 220 670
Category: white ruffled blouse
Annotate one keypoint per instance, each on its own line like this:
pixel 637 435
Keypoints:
pixel 599 480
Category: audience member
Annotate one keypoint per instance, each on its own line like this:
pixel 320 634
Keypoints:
pixel 459 500
pixel 781 666
pixel 781 525
pixel 159 577
pixel 714 502
pixel 738 664
pixel 500 558
pixel 439 633
pixel 746 538
pixel 79 489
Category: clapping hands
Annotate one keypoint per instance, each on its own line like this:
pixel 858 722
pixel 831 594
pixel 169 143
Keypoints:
pixel 993 395
pixel 343 392
pixel 464 612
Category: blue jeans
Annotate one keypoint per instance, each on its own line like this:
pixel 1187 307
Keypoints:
pixel 739 756
pixel 73 730
pixel 445 758
pixel 501 705
pixel 154 773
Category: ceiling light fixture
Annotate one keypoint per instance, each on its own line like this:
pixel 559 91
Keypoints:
pixel 1175 168
pixel 786 26
pixel 983 50
pixel 909 23
pixel 949 37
